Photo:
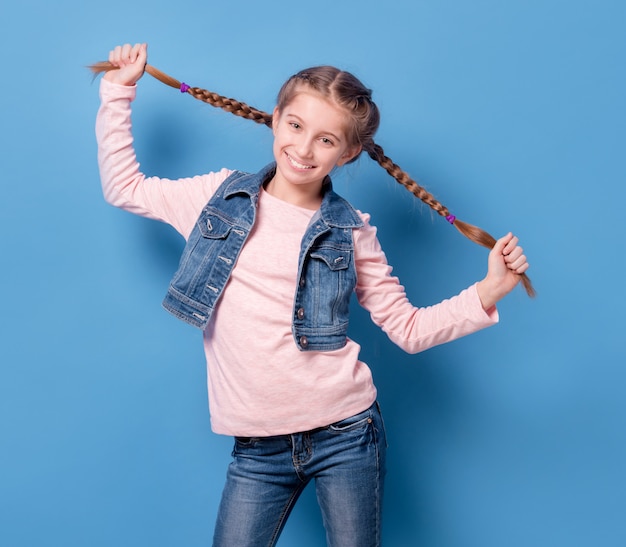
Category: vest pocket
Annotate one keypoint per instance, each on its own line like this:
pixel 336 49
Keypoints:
pixel 335 259
pixel 213 227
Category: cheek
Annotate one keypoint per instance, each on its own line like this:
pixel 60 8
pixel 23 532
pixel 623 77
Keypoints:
pixel 279 136
pixel 276 148
pixel 342 158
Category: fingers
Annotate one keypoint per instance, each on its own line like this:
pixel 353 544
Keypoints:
pixel 513 254
pixel 115 56
pixel 519 265
pixel 137 53
pixel 126 54
pixel 130 62
pixel 142 54
pixel 501 244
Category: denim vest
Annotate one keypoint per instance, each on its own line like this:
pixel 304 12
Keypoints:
pixel 326 270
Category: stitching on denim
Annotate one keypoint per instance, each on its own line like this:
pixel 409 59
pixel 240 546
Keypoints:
pixel 377 495
pixel 284 514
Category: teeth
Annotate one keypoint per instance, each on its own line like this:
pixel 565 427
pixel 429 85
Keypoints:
pixel 298 165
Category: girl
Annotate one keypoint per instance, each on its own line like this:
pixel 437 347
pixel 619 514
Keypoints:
pixel 270 263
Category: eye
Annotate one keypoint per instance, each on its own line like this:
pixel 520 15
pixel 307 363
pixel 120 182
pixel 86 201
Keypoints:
pixel 295 125
pixel 327 141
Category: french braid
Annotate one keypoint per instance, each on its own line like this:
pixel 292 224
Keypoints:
pixel 348 92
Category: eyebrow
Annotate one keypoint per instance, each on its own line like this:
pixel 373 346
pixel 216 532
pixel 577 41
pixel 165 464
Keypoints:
pixel 298 118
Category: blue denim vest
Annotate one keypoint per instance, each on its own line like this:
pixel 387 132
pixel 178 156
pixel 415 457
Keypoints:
pixel 326 270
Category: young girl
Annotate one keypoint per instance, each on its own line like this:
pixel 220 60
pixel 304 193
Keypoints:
pixel 270 263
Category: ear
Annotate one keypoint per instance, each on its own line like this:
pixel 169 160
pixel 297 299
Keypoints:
pixel 349 155
pixel 275 116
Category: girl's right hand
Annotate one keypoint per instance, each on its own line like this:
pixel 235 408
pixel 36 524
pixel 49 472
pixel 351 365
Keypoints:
pixel 130 62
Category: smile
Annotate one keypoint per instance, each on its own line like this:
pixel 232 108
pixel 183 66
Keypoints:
pixel 296 164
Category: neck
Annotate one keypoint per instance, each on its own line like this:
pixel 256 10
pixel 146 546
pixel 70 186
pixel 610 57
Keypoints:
pixel 305 196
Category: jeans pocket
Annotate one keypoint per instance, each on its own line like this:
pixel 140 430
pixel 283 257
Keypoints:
pixel 358 422
pixel 383 430
pixel 243 444
pixel 246 441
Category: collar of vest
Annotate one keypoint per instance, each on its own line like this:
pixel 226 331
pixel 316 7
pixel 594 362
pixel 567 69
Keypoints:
pixel 335 211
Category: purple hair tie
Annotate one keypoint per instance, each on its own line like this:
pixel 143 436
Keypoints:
pixel 184 87
pixel 451 219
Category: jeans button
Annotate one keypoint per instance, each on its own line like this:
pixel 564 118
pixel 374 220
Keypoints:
pixel 303 341
pixel 301 313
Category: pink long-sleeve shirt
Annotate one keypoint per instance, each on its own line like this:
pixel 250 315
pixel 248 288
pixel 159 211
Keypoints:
pixel 259 383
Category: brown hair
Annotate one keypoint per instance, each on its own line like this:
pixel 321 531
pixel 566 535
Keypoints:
pixel 348 92
pixel 344 90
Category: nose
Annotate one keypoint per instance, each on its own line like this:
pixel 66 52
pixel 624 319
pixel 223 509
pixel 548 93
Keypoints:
pixel 304 147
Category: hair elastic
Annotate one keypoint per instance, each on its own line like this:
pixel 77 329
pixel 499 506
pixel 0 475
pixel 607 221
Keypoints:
pixel 451 219
pixel 184 87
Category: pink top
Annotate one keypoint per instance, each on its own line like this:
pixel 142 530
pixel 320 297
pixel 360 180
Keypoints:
pixel 259 382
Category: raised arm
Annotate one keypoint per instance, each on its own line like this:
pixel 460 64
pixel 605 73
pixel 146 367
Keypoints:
pixel 176 202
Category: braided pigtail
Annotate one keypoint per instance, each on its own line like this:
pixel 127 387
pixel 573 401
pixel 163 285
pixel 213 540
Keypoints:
pixel 348 92
pixel 218 101
pixel 476 234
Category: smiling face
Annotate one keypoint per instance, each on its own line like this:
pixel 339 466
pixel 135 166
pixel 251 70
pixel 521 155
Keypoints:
pixel 310 139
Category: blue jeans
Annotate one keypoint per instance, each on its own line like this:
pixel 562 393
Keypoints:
pixel 268 474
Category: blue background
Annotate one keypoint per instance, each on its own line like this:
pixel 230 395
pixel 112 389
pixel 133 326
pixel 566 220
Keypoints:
pixel 511 112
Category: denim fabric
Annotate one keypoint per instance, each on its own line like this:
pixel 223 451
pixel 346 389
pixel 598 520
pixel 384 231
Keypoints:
pixel 326 270
pixel 268 474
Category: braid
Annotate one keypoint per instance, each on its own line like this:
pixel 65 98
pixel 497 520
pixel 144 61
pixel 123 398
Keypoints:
pixel 218 101
pixel 474 233
pixel 231 105
pixel 378 155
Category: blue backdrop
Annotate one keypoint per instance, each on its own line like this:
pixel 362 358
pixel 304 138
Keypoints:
pixel 511 112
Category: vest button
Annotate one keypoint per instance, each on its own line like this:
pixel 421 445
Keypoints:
pixel 303 341
pixel 302 282
pixel 301 313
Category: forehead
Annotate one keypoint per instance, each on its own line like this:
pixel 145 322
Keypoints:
pixel 317 110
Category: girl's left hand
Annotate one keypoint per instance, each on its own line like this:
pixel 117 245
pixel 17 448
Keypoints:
pixel 506 262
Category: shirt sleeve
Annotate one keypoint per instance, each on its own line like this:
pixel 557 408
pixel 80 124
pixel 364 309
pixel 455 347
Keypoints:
pixel 411 328
pixel 176 202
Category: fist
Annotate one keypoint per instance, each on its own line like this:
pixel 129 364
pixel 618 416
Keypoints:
pixel 130 62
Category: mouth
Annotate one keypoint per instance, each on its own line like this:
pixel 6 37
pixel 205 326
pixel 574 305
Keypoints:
pixel 297 164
